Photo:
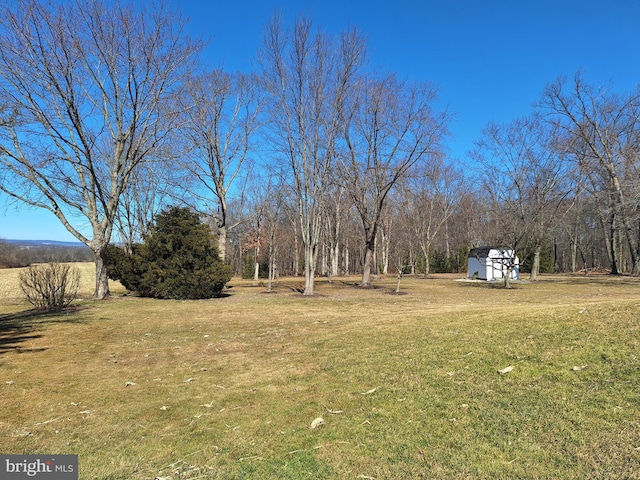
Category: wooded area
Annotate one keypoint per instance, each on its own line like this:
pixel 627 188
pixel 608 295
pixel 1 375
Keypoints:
pixel 317 163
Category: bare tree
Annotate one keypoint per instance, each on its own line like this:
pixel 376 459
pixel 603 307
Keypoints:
pixel 334 218
pixel 255 235
pixel 603 129
pixel 577 230
pixel 221 118
pixel 432 199
pixel 390 127
pixel 275 202
pixel 150 190
pixel 307 75
pixel 86 84
pixel 385 234
pixel 523 174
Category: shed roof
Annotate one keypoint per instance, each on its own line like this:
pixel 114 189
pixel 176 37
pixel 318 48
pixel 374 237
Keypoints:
pixel 483 252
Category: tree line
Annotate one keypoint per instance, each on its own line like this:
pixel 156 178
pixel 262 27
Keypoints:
pixel 317 162
pixel 23 253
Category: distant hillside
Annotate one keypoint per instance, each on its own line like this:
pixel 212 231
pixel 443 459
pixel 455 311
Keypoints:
pixel 21 253
pixel 45 243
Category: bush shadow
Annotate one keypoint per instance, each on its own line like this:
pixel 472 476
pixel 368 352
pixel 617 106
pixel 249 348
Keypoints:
pixel 17 328
pixel 499 285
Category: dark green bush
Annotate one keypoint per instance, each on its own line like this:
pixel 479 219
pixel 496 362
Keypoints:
pixel 127 267
pixel 178 260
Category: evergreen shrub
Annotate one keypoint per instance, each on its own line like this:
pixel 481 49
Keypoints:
pixel 178 260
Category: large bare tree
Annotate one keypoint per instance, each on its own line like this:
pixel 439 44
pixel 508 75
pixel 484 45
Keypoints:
pixel 222 112
pixel 86 84
pixel 391 125
pixel 524 176
pixel 603 129
pixel 308 75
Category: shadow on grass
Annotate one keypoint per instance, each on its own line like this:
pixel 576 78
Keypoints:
pixel 483 284
pixel 603 279
pixel 20 327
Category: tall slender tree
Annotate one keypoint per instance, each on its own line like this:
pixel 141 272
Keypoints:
pixel 221 117
pixel 390 126
pixel 308 75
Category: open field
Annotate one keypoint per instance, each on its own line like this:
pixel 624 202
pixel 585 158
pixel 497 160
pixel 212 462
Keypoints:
pixel 407 385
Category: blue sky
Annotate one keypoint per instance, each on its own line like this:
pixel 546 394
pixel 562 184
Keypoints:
pixel 490 59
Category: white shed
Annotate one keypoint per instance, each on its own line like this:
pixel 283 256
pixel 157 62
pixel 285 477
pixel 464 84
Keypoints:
pixel 492 263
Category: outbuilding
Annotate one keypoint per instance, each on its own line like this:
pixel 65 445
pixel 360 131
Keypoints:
pixel 492 263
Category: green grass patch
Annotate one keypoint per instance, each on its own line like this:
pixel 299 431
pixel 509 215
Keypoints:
pixel 407 385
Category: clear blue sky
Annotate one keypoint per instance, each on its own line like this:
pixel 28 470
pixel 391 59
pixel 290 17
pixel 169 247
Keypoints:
pixel 491 59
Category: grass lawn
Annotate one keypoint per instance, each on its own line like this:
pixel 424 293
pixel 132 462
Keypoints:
pixel 407 385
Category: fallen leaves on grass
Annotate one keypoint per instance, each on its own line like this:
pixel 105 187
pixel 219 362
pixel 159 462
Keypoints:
pixel 505 370
pixel 369 392
pixel 317 422
pixel 333 412
pixel 47 421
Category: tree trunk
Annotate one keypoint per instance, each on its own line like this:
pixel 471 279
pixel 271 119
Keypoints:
pixel 334 254
pixel 426 248
pixel 368 265
pixel 222 242
pixel 412 261
pixel 270 280
pixel 370 234
pixel 613 249
pixel 447 245
pixel 624 221
pixel 507 278
pixel 385 240
pixel 345 258
pixel 296 251
pixel 310 257
pixel 574 254
pixel 102 280
pixel 400 274
pixel 256 270
pixel 535 265
pixel 272 255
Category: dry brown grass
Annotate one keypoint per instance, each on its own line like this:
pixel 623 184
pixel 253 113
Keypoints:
pixel 227 388
pixel 10 285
